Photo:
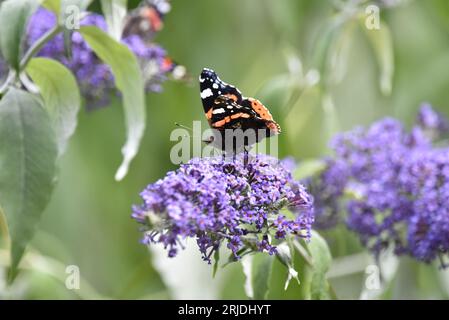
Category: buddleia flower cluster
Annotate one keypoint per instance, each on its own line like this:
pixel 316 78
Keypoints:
pixel 327 189
pixel 393 185
pixel 248 205
pixel 95 78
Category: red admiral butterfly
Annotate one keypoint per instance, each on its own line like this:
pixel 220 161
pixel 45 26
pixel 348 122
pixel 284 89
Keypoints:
pixel 226 108
pixel 147 19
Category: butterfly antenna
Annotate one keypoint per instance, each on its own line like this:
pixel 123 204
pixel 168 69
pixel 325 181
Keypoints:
pixel 183 126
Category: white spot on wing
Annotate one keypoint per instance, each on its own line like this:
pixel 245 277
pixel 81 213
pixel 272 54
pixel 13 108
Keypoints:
pixel 206 93
pixel 218 111
pixel 215 86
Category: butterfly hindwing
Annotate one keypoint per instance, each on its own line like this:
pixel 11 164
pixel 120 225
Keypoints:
pixel 225 112
pixel 262 113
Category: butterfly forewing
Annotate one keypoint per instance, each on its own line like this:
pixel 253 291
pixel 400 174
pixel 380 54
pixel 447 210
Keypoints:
pixel 211 87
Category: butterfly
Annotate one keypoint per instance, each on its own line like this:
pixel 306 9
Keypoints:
pixel 144 22
pixel 146 19
pixel 226 108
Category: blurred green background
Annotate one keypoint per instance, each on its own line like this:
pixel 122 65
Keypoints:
pixel 261 46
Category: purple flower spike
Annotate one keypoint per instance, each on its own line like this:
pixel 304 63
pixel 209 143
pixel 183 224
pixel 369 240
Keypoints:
pixel 398 184
pixel 214 200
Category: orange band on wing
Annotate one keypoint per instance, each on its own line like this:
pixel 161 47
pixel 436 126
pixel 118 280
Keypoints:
pixel 240 115
pixel 154 19
pixel 229 118
pixel 209 114
pixel 221 122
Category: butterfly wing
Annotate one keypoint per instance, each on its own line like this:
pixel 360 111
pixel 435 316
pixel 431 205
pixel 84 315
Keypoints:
pixel 262 113
pixel 146 19
pixel 211 87
pixel 225 108
pixel 228 114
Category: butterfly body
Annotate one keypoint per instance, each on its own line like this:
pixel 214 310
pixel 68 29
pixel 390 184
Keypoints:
pixel 229 112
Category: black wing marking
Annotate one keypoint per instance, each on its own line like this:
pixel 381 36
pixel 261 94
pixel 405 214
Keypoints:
pixel 211 87
pixel 225 113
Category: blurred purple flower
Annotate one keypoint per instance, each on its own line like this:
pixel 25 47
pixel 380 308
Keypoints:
pixel 327 189
pixel 430 120
pixel 94 77
pixel 425 180
pixel 399 183
pixel 215 201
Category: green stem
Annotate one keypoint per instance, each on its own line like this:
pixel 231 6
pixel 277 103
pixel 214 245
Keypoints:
pixel 9 79
pixel 4 227
pixel 34 49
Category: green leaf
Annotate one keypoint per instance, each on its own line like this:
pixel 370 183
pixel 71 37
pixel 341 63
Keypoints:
pixel 52 5
pixel 14 16
pixel 128 79
pixel 321 260
pixel 66 8
pixel 216 260
pixel 114 12
pixel 339 53
pixel 27 167
pixel 257 269
pixel 61 95
pixel 285 256
pixel 382 43
pixel 80 4
pixel 323 49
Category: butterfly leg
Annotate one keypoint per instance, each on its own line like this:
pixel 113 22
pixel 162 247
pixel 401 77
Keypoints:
pixel 245 156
